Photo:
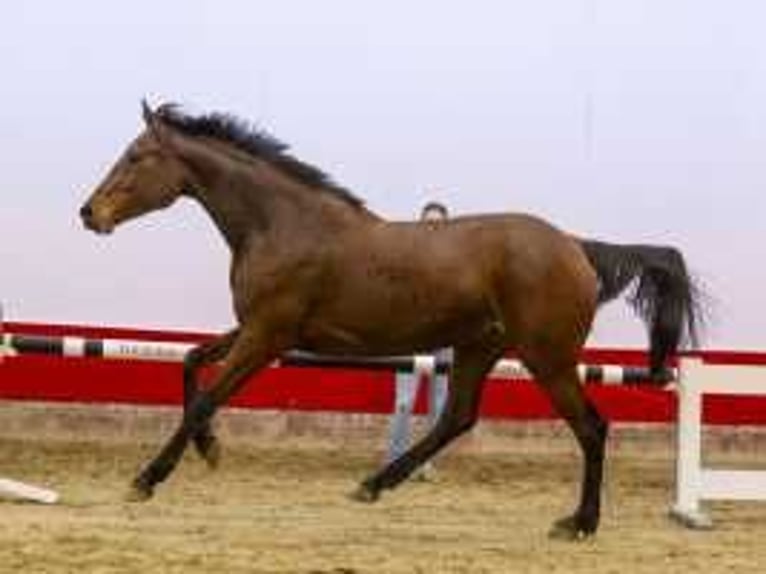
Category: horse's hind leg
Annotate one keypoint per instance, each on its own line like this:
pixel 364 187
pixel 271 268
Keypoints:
pixel 569 399
pixel 205 441
pixel 458 416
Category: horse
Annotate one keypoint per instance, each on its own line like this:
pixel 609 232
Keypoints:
pixel 313 268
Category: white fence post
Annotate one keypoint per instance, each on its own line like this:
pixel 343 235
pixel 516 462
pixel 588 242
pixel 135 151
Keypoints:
pixel 695 483
pixel 689 449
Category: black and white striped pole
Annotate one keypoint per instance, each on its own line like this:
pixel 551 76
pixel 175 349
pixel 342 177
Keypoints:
pixel 127 349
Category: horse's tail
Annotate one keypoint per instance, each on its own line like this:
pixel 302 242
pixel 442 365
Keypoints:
pixel 661 292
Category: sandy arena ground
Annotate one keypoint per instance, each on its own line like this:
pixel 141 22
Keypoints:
pixel 280 506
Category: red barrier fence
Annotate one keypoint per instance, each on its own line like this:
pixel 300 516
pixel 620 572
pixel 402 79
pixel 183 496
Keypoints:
pixel 40 378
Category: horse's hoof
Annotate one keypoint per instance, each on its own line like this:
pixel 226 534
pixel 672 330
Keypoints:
pixel 571 528
pixel 139 492
pixel 364 493
pixel 212 454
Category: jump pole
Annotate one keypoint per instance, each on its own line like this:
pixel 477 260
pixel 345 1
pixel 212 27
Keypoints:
pixel 173 352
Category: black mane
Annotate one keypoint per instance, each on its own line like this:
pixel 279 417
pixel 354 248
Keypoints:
pixel 254 141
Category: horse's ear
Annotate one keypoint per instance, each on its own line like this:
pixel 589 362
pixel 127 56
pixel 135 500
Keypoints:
pixel 147 113
pixel 154 123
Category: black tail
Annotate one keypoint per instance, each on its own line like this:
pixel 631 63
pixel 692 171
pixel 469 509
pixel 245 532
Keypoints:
pixel 661 292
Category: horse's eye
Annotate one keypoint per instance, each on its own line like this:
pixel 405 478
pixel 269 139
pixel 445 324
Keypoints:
pixel 132 158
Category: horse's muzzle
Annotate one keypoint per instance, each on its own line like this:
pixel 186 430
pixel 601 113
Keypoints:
pixel 90 221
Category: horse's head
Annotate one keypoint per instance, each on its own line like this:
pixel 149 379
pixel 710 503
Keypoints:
pixel 148 176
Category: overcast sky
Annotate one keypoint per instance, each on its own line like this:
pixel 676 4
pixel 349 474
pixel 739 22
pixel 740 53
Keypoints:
pixel 626 120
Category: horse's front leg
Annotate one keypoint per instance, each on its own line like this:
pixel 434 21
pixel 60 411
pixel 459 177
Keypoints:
pixel 251 350
pixel 205 441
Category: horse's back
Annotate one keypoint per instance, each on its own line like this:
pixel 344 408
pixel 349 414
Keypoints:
pixel 521 248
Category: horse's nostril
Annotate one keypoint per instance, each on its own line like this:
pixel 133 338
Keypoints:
pixel 86 211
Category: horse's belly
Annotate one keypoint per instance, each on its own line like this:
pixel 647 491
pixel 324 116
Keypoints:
pixel 337 340
pixel 394 323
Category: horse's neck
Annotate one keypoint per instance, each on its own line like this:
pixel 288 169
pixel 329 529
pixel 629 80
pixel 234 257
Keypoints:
pixel 232 215
pixel 246 196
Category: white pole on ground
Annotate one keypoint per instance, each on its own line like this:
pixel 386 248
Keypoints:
pixel 13 489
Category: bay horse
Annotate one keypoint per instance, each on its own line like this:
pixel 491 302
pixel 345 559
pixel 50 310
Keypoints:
pixel 312 268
